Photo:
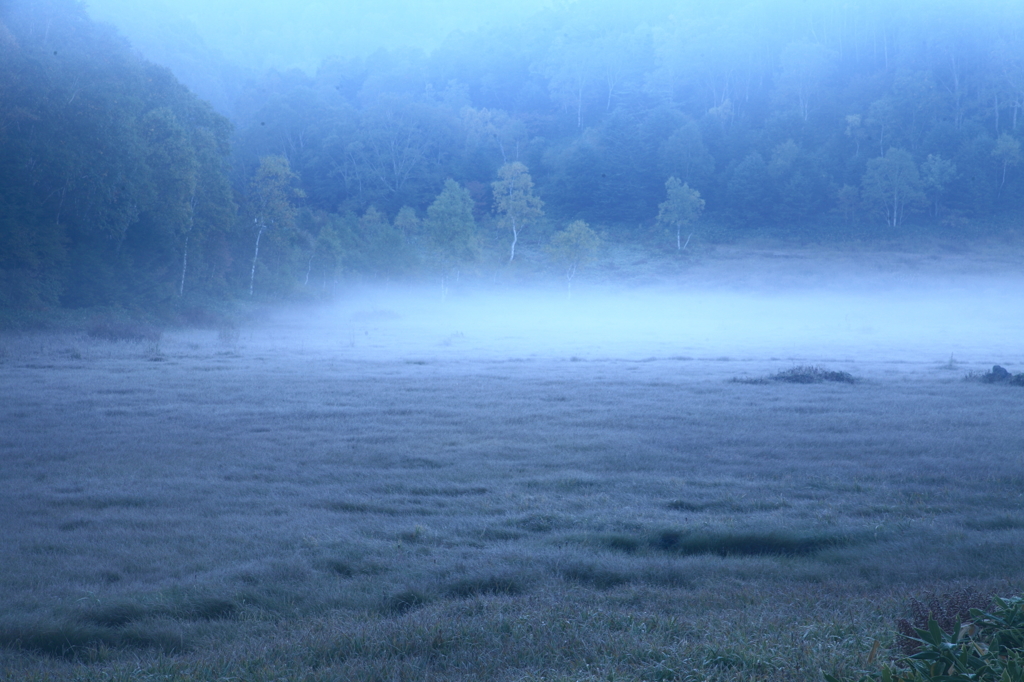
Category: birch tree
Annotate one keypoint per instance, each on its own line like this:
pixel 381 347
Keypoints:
pixel 681 209
pixel 1007 153
pixel 892 185
pixel 270 202
pixel 514 201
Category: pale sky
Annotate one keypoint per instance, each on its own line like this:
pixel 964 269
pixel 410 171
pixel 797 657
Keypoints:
pixel 300 33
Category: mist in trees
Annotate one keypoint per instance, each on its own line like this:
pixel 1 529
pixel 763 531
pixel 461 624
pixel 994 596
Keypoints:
pixel 465 139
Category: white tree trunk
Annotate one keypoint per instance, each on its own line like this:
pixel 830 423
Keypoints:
pixel 184 267
pixel 255 255
pixel 515 238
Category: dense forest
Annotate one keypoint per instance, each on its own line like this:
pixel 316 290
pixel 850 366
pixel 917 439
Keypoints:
pixel 645 123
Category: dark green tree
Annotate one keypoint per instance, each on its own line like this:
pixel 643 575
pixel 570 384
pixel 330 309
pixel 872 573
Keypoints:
pixel 451 229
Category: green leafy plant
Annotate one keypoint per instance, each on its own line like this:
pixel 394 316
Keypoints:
pixel 987 648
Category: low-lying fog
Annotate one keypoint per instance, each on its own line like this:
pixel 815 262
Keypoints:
pixel 973 320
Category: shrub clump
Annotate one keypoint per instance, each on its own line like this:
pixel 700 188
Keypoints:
pixel 998 375
pixel 988 647
pixel 804 374
pixel 948 610
pixel 810 374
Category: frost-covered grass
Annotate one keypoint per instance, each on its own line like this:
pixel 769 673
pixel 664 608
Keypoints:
pixel 506 486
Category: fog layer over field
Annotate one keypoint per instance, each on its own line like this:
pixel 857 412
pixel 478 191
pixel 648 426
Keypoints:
pixel 914 321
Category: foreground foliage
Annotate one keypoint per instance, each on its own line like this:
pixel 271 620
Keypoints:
pixel 987 648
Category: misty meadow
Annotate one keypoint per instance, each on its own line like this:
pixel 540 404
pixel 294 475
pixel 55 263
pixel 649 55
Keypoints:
pixel 569 341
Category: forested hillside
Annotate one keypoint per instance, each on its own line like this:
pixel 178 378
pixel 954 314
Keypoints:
pixel 833 119
pixel 778 113
pixel 114 184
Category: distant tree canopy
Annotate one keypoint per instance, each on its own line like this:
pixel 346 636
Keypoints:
pixel 770 110
pixel 118 186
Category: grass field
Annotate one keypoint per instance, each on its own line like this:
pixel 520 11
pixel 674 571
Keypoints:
pixel 510 485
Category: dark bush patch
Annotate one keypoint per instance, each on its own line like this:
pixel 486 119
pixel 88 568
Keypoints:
pixel 805 374
pixel 71 641
pixel 811 375
pixel 180 606
pixel 996 523
pixel 997 375
pixel 75 524
pixel 339 567
pixel 622 543
pixel 595 576
pixel 744 543
pixel 492 584
pixel 740 543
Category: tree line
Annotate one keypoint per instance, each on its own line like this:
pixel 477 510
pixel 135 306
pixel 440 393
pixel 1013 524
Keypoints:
pixel 118 185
